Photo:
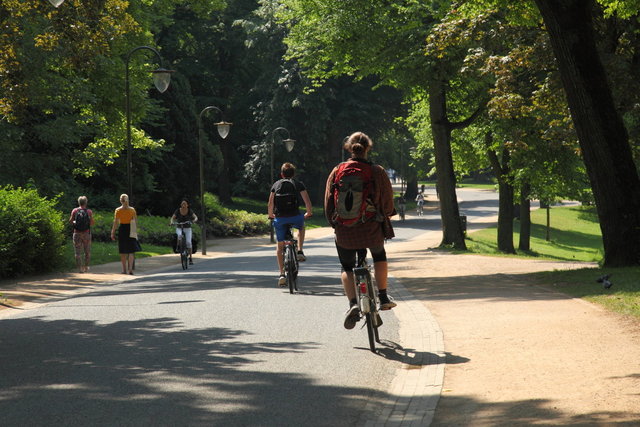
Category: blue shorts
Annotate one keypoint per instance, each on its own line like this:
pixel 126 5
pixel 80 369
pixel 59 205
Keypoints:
pixel 279 223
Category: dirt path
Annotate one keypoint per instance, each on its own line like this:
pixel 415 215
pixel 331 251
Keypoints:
pixel 518 353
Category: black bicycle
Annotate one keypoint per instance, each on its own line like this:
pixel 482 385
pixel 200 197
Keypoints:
pixel 368 302
pixel 289 253
pixel 181 244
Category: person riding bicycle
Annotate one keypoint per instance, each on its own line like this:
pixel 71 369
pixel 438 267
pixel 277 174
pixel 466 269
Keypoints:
pixel 420 202
pixel 402 203
pixel 367 231
pixel 283 208
pixel 185 214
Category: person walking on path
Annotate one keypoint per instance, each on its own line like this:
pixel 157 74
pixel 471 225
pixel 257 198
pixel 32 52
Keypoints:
pixel 367 232
pixel 82 219
pixel 127 245
pixel 284 208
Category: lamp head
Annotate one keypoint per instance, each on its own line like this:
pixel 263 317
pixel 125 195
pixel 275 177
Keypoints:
pixel 56 3
pixel 289 143
pixel 223 128
pixel 162 78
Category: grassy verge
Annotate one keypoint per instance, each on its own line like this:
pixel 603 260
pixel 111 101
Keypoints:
pixel 574 235
pixel 102 253
pixel 260 207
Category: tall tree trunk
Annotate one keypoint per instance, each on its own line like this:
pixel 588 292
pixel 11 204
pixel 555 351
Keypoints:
pixel 525 218
pixel 603 137
pixel 505 194
pixel 452 233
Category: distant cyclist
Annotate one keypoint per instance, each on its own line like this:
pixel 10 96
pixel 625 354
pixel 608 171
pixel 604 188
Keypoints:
pixel 185 214
pixel 356 213
pixel 420 203
pixel 284 209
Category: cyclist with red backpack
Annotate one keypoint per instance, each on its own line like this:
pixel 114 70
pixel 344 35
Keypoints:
pixel 283 208
pixel 358 200
pixel 82 219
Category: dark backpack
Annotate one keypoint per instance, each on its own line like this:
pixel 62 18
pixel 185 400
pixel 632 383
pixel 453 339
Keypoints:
pixel 352 185
pixel 82 221
pixel 286 198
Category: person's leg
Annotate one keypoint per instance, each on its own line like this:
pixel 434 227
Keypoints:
pixel 131 257
pixel 381 273
pixel 77 250
pixel 123 260
pixel 348 261
pixel 280 228
pixel 280 257
pixel 298 222
pixel 188 235
pixel 86 241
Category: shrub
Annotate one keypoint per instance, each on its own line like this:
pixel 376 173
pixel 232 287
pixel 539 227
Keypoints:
pixel 31 233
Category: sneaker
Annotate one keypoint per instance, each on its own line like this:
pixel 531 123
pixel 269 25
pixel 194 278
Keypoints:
pixel 301 256
pixel 282 280
pixel 351 317
pixel 386 303
pixel 190 262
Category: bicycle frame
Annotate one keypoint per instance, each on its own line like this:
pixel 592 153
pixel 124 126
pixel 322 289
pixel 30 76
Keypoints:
pixel 367 301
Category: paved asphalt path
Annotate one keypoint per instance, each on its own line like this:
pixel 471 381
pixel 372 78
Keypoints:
pixel 219 344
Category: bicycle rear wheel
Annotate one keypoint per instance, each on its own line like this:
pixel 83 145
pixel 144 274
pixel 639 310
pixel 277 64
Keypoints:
pixel 290 267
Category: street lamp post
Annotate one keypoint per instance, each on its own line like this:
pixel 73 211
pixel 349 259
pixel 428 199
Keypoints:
pixel 223 131
pixel 288 143
pixel 161 80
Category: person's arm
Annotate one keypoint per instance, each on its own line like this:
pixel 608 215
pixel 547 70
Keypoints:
pixel 91 220
pixel 329 206
pixel 116 223
pixel 270 205
pixel 307 204
pixel 71 218
pixel 194 217
pixel 173 219
pixel 386 206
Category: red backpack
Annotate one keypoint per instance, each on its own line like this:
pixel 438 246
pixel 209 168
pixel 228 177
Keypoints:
pixel 352 187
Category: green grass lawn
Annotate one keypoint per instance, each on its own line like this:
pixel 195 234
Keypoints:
pixel 102 253
pixel 260 207
pixel 574 235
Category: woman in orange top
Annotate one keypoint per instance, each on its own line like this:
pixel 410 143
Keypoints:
pixel 127 246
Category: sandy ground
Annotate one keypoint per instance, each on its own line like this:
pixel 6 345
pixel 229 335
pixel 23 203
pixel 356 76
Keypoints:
pixel 517 353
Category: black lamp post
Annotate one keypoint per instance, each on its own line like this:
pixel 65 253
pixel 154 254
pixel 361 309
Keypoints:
pixel 288 143
pixel 223 131
pixel 161 79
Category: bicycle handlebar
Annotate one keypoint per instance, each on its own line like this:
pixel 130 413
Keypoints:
pixel 181 223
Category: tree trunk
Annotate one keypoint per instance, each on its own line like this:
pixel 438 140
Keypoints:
pixel 505 194
pixel 452 233
pixel 411 191
pixel 603 137
pixel 525 218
